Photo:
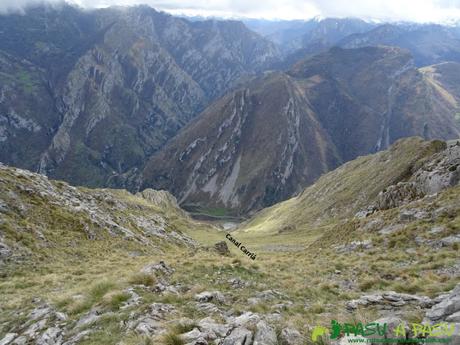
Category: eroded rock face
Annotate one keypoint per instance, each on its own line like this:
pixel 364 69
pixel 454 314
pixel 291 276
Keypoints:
pixel 397 195
pixel 43 326
pixel 95 211
pixel 440 171
pixel 446 308
pixel 390 300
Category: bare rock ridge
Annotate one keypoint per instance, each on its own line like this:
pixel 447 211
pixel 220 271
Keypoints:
pixel 270 139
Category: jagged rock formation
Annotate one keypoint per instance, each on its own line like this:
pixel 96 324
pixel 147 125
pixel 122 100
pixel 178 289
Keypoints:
pixel 267 141
pixel 441 171
pixel 86 96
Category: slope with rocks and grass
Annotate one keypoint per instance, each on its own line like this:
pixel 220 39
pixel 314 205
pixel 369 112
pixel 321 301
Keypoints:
pixel 392 255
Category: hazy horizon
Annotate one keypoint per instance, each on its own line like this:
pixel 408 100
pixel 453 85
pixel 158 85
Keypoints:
pixel 431 11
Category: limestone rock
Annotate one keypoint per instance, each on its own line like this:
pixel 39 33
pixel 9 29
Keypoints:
pixel 206 296
pixel 447 307
pixel 239 336
pixel 265 334
pixel 391 299
pixel 291 336
pixel 159 268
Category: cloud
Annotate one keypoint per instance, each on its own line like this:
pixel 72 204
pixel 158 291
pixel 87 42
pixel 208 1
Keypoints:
pixel 385 10
pixel 7 6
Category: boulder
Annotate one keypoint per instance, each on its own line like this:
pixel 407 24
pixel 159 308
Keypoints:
pixel 291 336
pixel 239 336
pixel 52 336
pixel 209 326
pixel 159 268
pixel 265 334
pixel 222 248
pixel 247 319
pixel 213 296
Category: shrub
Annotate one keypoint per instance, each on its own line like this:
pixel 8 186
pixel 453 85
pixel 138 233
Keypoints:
pixel 142 279
pixel 172 339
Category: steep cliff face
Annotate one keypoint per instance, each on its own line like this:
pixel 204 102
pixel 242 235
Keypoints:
pixel 114 84
pixel 264 142
pixel 251 148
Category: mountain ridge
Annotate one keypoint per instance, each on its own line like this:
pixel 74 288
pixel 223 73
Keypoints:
pixel 355 102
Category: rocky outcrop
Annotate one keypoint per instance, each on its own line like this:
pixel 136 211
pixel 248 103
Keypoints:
pixel 430 176
pixel 441 171
pixel 92 213
pixel 390 300
pixel 447 308
pixel 398 195
pixel 160 268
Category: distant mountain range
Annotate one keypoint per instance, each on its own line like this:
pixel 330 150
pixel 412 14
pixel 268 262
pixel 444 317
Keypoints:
pixel 222 116
pixel 428 43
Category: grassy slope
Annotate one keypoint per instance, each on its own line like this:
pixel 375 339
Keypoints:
pixel 344 191
pixel 301 264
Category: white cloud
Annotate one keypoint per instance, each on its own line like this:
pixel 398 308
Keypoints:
pixel 410 10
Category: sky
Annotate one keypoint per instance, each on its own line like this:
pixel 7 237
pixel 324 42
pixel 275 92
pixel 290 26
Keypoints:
pixel 438 11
